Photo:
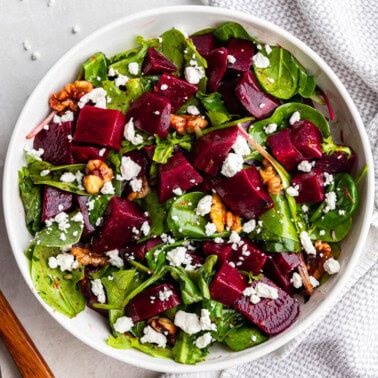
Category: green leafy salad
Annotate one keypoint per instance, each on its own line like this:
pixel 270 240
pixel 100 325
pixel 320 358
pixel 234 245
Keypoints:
pixel 189 191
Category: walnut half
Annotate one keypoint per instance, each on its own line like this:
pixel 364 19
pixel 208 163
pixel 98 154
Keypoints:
pixel 97 174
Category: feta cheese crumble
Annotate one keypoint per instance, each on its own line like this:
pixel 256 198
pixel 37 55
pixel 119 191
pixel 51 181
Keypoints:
pixel 271 128
pixel 123 324
pixel 314 282
pixel 306 243
pixel 133 68
pixel 165 294
pixel 210 228
pixel 295 117
pixel 330 202
pixel 241 147
pixel 145 229
pixel 129 169
pixel 177 191
pixel 97 96
pixel 232 165
pixel 203 341
pixel 178 256
pixel 305 166
pixel 130 135
pixel 153 337
pixel 296 280
pixel 107 188
pixel 328 178
pixel 231 59
pixel 193 110
pixel 98 290
pixel 193 75
pixel 249 226
pixel 188 322
pixel 260 61
pixel 136 184
pixel 331 266
pixel 293 191
pixel 114 258
pixel 204 205
pixel 65 261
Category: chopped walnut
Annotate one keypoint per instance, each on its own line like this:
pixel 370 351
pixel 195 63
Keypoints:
pixel 97 174
pixel 143 192
pixel 270 178
pixel 69 96
pixel 222 217
pixel 164 326
pixel 315 265
pixel 85 256
pixel 185 123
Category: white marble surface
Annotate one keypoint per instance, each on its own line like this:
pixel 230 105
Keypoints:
pixel 47 26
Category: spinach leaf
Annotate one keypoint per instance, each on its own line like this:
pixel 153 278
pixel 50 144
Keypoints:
pixel 281 118
pixel 157 213
pixel 277 231
pixel 229 30
pixel 346 205
pixel 122 99
pixel 306 83
pixel 202 276
pixel 127 342
pixel 280 78
pixel 173 46
pixel 215 108
pixel 54 236
pixel 331 235
pixel 96 69
pixel 228 320
pixel 31 196
pixel 59 292
pixel 155 257
pixel 186 352
pixel 246 336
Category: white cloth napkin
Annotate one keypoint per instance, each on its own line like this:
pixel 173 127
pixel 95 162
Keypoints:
pixel 344 342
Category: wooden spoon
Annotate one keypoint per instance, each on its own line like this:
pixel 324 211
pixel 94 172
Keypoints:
pixel 29 361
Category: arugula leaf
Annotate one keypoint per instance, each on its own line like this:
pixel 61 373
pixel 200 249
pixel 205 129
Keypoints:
pixel 55 289
pixel 215 108
pixel 157 213
pixel 165 147
pixel 100 203
pixel 96 69
pixel 229 30
pixel 53 236
pixel 31 196
pixel 280 78
pixel 186 352
pixel 329 147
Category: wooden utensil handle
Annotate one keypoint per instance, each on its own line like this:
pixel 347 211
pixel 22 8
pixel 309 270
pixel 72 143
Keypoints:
pixel 29 361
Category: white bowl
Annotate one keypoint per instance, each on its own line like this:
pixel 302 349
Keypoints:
pixel 89 326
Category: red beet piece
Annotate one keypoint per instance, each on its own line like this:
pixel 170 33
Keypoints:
pixel 242 50
pixel 149 303
pixel 216 68
pixel 256 102
pixel 176 174
pixel 82 202
pixel 178 91
pixel 54 202
pixel 228 285
pixel 227 90
pixel 338 162
pixel 137 251
pixel 244 194
pixel 272 316
pixel 101 127
pixel 222 250
pixel 210 151
pixel 156 63
pixel 284 151
pixel 310 186
pixel 150 113
pixel 279 267
pixel 204 43
pixel 120 217
pixel 249 257
pixel 56 143
pixel 82 153
pixel 307 139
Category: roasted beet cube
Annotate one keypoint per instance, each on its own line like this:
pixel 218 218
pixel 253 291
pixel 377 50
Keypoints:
pixel 279 268
pixel 121 218
pixel 152 301
pixel 244 194
pixel 56 143
pixel 338 162
pixel 249 257
pixel 101 127
pixel 222 250
pixel 82 202
pixel 82 153
pixel 210 151
pixel 54 202
pixel 216 68
pixel 284 151
pixel 137 251
pixel 176 176
pixel 255 101
pixel 240 54
pixel 307 139
pixel 227 90
pixel 309 185
pixel 150 113
pixel 272 316
pixel 228 285
pixel 178 91
pixel 204 43
pixel 156 63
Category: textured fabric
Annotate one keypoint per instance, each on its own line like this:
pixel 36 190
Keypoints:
pixel 344 342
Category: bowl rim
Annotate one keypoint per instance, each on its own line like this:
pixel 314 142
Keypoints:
pixel 157 364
